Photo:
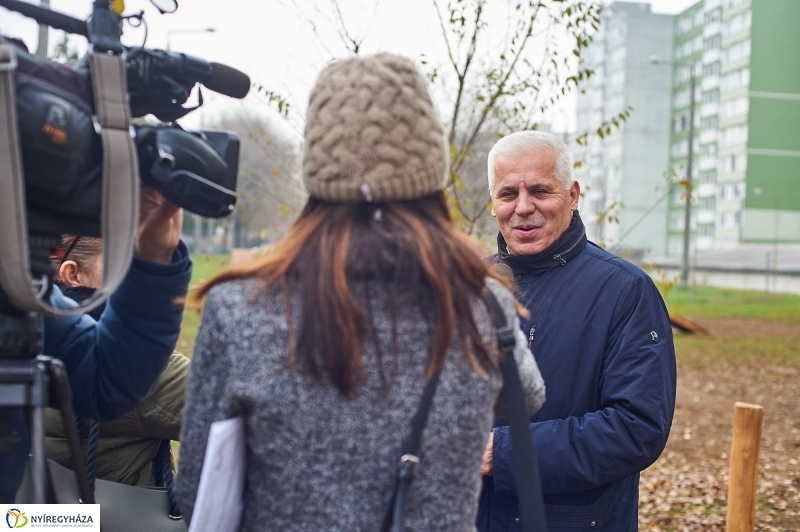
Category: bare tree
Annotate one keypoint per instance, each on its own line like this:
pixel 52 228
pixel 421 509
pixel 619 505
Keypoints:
pixel 507 85
pixel 269 190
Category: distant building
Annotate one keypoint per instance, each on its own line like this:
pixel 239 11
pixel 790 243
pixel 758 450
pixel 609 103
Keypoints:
pixel 622 174
pixel 747 122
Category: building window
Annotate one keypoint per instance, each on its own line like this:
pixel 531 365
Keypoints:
pixel 676 221
pixel 705 230
pixel 682 98
pixel 711 96
pixel 736 79
pixel 733 135
pixel 714 16
pixel 680 149
pixel 733 163
pixel 711 70
pixel 736 24
pixel 707 204
pixel 710 123
pixel 709 176
pixel 735 107
pixel 708 150
pixel 713 43
pixel 736 52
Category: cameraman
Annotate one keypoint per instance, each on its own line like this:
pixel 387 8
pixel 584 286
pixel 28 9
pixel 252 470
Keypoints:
pixel 113 363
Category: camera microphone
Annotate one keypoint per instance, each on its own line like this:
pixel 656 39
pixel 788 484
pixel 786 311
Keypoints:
pixel 227 80
pixel 157 79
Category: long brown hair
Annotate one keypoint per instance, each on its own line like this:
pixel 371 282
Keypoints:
pixel 409 240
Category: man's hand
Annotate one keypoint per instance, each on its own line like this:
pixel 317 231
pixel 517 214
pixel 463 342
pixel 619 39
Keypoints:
pixel 160 224
pixel 486 463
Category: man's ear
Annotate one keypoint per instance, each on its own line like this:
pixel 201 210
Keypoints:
pixel 574 195
pixel 68 273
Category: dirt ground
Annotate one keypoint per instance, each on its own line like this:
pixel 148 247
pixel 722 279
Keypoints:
pixel 686 489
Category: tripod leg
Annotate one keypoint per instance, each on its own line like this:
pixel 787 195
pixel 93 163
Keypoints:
pixel 38 461
pixel 63 396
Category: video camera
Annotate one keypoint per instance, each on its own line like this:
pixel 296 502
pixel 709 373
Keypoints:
pixel 71 162
pixel 63 153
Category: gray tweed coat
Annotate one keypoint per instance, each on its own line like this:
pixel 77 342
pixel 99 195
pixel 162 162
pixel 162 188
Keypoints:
pixel 318 461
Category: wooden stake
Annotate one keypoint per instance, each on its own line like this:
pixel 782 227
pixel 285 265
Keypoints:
pixel 743 480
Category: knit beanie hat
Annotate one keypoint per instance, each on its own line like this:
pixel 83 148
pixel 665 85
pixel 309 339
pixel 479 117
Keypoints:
pixel 372 133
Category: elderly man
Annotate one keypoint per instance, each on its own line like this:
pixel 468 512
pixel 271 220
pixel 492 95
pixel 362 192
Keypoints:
pixel 603 342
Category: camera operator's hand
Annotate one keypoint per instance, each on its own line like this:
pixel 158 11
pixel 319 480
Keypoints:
pixel 160 224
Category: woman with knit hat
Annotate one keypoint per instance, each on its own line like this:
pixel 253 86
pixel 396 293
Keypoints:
pixel 326 345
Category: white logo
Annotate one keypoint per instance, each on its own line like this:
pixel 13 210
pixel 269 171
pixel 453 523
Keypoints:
pixel 654 335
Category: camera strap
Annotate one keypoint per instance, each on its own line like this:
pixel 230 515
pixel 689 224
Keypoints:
pixel 120 189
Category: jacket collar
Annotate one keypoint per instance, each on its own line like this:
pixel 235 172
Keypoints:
pixel 559 253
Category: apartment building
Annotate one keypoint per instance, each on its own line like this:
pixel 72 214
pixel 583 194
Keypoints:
pixel 746 169
pixel 622 173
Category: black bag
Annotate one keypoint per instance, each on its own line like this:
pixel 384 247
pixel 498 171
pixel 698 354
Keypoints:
pixel 61 150
pixel 123 508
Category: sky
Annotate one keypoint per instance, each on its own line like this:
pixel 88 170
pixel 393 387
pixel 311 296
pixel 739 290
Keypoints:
pixel 283 44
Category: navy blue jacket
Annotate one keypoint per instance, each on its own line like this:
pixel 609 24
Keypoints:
pixel 113 363
pixel 602 339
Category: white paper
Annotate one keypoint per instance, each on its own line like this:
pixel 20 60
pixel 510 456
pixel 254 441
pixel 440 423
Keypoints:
pixel 220 494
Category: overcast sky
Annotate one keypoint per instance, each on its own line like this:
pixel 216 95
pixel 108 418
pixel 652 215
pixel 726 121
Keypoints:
pixel 274 42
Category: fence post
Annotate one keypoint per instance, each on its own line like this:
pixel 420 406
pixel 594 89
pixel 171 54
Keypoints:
pixel 743 479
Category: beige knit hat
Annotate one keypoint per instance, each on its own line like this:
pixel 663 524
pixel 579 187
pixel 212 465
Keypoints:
pixel 372 133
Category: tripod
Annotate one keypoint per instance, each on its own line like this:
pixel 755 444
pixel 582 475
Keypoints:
pixel 28 381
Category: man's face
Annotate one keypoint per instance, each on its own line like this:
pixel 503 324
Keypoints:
pixel 530 203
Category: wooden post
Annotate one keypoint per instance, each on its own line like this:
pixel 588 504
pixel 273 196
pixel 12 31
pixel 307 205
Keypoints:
pixel 743 480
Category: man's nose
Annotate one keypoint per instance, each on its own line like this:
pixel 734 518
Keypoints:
pixel 525 204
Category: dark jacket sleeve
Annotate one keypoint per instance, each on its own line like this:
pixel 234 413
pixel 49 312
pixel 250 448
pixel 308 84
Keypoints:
pixel 637 398
pixel 113 363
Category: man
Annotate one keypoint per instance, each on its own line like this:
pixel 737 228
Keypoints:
pixel 113 363
pixel 603 342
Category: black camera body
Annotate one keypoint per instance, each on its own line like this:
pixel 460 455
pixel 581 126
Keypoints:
pixel 62 155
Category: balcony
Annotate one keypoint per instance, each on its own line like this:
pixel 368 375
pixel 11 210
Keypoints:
pixel 706 190
pixel 710 56
pixel 708 163
pixel 709 109
pixel 708 136
pixel 705 217
pixel 709 30
pixel 711 82
pixel 705 243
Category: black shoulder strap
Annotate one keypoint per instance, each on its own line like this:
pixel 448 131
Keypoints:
pixel 523 452
pixel 395 517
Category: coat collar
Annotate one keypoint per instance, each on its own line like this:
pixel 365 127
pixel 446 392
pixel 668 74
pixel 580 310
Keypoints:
pixel 567 246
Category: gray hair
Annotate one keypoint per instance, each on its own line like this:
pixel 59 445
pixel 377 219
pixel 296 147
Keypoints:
pixel 523 142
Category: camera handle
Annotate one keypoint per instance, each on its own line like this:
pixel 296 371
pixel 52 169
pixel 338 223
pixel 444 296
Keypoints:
pixel 120 185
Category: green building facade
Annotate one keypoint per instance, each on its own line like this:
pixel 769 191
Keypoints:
pixel 745 55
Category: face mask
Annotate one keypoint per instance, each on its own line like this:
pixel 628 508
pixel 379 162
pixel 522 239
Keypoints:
pixel 81 293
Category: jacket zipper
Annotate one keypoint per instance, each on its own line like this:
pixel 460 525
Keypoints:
pixel 530 336
pixel 558 256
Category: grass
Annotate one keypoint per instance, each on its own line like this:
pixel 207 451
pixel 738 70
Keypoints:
pixel 749 345
pixel 204 268
pixel 706 351
pixel 710 302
